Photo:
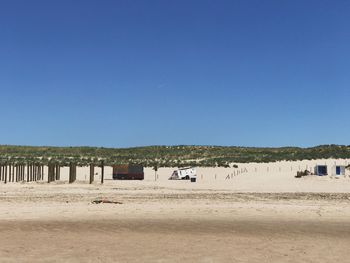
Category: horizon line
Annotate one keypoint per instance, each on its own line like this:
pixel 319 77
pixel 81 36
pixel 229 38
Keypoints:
pixel 173 145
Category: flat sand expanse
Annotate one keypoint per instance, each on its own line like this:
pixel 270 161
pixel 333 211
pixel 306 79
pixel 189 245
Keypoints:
pixel 154 240
pixel 266 216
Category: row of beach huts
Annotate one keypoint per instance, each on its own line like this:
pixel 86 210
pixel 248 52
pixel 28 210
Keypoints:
pixel 335 170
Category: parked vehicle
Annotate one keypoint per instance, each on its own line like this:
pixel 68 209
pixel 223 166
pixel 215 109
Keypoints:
pixel 184 174
pixel 128 172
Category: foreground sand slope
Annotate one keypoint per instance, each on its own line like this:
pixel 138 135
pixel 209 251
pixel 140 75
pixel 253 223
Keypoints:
pixel 58 223
pixel 151 240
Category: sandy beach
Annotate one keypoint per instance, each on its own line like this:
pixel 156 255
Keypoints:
pixel 260 214
pixel 174 131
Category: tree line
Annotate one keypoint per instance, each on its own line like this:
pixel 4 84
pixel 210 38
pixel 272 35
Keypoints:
pixel 165 156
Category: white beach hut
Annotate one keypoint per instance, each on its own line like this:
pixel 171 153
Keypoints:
pixel 321 170
pixel 338 170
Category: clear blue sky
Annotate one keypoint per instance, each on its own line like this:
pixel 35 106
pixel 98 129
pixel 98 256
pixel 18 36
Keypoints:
pixel 130 73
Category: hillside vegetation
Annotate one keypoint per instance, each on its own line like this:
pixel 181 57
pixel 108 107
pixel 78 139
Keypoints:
pixel 166 156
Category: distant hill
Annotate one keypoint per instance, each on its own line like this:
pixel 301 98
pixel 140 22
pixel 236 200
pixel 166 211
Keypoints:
pixel 166 156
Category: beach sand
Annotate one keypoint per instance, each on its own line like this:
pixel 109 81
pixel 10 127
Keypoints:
pixel 260 214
